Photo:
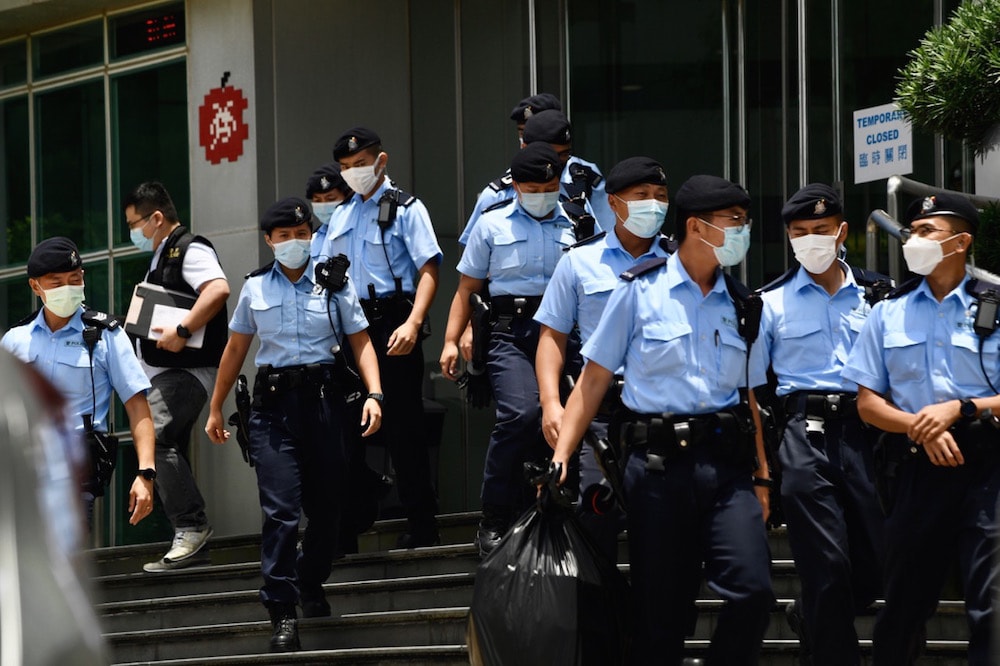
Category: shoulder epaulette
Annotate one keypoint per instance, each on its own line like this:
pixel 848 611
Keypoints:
pixel 499 204
pixel 643 267
pixel 27 320
pixel 976 287
pixel 780 280
pixel 403 198
pixel 260 271
pixel 905 288
pixel 669 244
pixel 586 241
pixel 101 319
pixel 504 182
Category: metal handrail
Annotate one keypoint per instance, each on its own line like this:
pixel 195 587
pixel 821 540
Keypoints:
pixel 888 220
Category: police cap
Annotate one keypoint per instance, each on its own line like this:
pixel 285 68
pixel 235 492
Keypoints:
pixel 53 255
pixel 548 126
pixel 705 193
pixel 354 140
pixel 529 106
pixel 812 202
pixel 944 203
pixel 535 163
pixel 288 212
pixel 324 179
pixel 635 170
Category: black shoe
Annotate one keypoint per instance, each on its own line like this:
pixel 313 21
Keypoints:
pixel 793 614
pixel 492 528
pixel 315 605
pixel 419 537
pixel 285 634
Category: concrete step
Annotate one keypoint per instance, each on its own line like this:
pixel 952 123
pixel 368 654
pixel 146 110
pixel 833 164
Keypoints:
pixel 390 656
pixel 435 627
pixel 410 593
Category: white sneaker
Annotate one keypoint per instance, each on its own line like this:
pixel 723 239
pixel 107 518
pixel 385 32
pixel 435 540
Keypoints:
pixel 186 544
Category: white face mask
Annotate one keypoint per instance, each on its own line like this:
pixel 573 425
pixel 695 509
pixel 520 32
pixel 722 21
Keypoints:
pixel 645 216
pixel 923 254
pixel 363 179
pixel 816 252
pixel 64 301
pixel 539 204
pixel 324 209
pixel 292 253
pixel 734 246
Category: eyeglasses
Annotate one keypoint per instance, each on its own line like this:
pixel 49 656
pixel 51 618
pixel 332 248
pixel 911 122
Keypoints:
pixel 132 224
pixel 923 231
pixel 740 222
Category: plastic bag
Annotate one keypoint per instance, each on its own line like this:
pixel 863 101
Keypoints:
pixel 546 595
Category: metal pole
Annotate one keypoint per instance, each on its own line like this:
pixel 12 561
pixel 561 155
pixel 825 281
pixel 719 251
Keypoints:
pixel 532 50
pixel 803 97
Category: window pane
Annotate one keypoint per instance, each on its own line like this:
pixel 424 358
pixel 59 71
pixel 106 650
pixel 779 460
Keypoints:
pixel 96 278
pixel 150 135
pixel 13 63
pixel 16 300
pixel 148 30
pixel 128 272
pixel 66 50
pixel 72 194
pixel 15 188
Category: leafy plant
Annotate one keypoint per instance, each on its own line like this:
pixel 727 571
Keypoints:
pixel 951 85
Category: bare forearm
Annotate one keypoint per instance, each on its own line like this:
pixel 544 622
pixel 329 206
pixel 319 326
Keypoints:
pixel 763 470
pixel 229 367
pixel 581 408
pixel 141 425
pixel 364 352
pixel 461 309
pixel 879 412
pixel 549 362
pixel 211 298
pixel 427 285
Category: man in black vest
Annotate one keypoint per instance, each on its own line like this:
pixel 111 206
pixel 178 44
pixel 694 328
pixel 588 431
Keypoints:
pixel 182 377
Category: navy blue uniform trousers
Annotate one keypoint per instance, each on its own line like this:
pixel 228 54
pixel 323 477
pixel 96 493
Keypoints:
pixel 298 453
pixel 939 514
pixel 696 511
pixel 517 434
pixel 835 530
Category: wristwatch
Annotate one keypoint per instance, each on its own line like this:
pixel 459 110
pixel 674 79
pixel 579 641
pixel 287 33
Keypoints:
pixel 967 409
pixel 182 331
pixel 377 397
pixel 149 473
pixel 763 482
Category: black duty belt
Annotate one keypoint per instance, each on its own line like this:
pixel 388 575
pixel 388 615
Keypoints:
pixel 377 307
pixel 517 307
pixel 728 434
pixel 612 400
pixel 276 380
pixel 821 405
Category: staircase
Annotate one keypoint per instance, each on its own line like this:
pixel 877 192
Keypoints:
pixel 390 606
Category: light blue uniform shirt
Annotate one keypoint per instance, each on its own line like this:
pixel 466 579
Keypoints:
pixel 681 351
pixel 806 334
pixel 291 319
pixel 516 251
pixel 923 352
pixel 317 242
pixel 583 282
pixel 597 205
pixel 62 358
pixel 378 255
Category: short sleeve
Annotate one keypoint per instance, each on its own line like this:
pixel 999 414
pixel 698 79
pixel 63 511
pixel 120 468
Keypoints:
pixel 866 363
pixel 558 309
pixel 609 343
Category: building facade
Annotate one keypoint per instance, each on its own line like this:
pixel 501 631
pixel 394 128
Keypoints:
pixel 233 103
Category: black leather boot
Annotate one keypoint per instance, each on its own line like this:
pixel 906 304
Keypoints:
pixel 492 527
pixel 285 626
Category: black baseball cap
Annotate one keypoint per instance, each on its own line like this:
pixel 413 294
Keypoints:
pixel 54 255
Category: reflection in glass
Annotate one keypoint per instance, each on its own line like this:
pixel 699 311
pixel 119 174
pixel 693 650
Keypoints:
pixel 15 185
pixel 13 63
pixel 72 48
pixel 16 300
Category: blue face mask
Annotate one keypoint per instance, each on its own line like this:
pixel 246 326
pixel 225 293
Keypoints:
pixel 144 244
pixel 734 247
pixel 292 253
pixel 540 204
pixel 324 209
pixel 645 216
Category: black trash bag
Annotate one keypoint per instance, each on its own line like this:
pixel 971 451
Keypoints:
pixel 547 595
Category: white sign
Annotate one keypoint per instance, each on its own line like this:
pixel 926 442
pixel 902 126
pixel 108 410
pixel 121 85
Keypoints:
pixel 883 143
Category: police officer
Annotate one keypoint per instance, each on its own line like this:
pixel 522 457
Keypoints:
pixel 695 493
pixel 581 183
pixel 388 237
pixel 53 340
pixel 518 246
pixel 927 370
pixel 298 414
pixel 812 316
pixel 528 107
pixel 326 190
pixel 574 300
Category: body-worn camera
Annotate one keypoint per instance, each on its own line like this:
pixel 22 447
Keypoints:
pixel 332 273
